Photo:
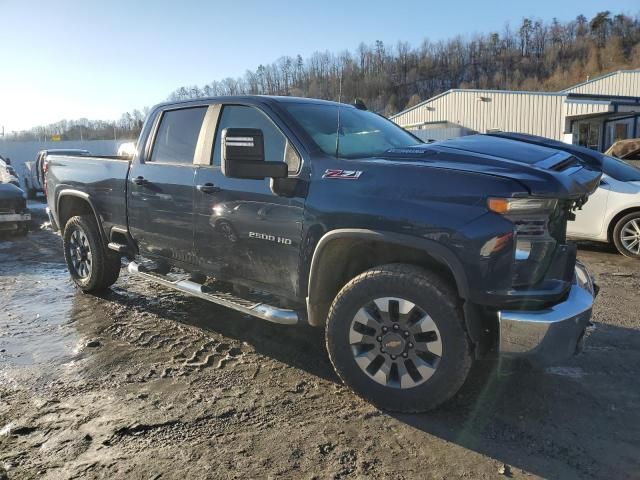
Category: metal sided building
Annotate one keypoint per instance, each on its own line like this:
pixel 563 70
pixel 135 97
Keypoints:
pixel 594 114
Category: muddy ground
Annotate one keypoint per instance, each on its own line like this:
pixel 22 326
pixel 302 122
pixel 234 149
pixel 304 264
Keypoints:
pixel 146 383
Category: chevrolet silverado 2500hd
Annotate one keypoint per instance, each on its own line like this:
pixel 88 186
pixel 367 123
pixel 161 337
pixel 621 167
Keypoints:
pixel 416 258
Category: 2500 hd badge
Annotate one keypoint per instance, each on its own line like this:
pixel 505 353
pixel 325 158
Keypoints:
pixel 271 238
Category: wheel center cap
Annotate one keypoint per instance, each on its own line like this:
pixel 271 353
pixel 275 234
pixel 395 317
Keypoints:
pixel 393 343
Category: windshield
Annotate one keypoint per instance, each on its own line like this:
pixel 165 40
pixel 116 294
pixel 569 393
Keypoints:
pixel 362 134
pixel 619 170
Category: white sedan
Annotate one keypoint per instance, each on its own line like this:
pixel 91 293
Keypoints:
pixel 612 213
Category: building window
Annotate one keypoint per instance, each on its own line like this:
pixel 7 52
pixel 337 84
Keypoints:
pixel 620 132
pixel 589 135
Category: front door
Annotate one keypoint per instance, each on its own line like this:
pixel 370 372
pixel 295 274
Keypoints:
pixel 244 231
pixel 161 187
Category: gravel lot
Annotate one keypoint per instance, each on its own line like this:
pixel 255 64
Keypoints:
pixel 146 383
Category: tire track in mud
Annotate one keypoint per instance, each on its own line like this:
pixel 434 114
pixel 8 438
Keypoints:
pixel 179 349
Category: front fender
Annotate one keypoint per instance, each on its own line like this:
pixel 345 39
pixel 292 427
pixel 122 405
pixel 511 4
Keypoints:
pixel 326 259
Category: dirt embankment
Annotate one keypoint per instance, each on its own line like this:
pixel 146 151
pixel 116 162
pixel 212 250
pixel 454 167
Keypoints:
pixel 147 383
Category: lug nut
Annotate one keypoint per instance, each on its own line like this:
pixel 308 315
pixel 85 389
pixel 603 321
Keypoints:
pixel 381 350
pixel 393 357
pixel 410 345
pixel 406 334
pixel 405 354
pixel 396 326
pixel 384 329
pixel 379 339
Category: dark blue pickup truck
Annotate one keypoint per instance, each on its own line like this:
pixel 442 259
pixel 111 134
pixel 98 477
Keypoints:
pixel 416 258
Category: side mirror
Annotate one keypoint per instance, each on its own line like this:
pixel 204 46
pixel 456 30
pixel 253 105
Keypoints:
pixel 243 155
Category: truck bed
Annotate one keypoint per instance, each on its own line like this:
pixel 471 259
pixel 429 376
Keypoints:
pixel 102 178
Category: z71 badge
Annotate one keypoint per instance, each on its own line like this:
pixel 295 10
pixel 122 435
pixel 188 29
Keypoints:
pixel 342 174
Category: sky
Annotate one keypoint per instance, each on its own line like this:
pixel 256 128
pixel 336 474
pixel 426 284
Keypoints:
pixel 97 59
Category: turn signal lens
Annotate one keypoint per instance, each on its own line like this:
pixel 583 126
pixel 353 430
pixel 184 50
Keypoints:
pixel 520 205
pixel 498 205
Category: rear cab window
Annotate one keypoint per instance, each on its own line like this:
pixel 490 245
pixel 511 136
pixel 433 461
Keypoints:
pixel 177 136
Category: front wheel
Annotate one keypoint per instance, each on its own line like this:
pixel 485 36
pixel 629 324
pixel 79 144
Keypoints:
pixel 626 235
pixel 91 265
pixel 395 335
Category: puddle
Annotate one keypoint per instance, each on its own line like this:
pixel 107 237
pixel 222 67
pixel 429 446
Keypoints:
pixel 34 326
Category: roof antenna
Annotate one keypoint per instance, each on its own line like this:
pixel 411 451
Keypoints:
pixel 338 131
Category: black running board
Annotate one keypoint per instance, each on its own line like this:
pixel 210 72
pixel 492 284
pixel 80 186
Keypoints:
pixel 261 310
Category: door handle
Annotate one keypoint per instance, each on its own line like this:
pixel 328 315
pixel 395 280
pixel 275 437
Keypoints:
pixel 208 188
pixel 139 180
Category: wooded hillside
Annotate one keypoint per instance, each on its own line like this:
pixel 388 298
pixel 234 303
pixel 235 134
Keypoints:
pixel 533 56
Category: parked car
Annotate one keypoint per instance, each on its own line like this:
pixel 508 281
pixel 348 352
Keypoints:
pixel 612 214
pixel 7 173
pixel 416 258
pixel 36 175
pixel 628 149
pixel 30 181
pixel 14 214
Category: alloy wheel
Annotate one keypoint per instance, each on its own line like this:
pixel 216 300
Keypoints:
pixel 80 253
pixel 395 342
pixel 630 236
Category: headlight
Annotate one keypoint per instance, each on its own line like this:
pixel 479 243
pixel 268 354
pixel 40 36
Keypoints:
pixel 534 246
pixel 507 206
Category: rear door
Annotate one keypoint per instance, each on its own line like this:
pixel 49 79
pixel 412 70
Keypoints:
pixel 246 231
pixel 161 186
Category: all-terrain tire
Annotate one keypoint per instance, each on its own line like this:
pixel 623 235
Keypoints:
pixel 432 295
pixel 104 265
pixel 622 230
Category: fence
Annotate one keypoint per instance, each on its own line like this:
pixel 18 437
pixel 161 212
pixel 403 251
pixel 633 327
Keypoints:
pixel 20 152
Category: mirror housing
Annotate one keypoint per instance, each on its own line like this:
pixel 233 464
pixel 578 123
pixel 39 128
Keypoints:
pixel 243 155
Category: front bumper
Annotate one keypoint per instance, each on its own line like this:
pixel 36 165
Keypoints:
pixel 551 335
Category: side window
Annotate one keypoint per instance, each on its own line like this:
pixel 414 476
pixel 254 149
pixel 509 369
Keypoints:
pixel 276 146
pixel 177 136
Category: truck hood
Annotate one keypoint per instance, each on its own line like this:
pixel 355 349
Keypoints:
pixel 543 171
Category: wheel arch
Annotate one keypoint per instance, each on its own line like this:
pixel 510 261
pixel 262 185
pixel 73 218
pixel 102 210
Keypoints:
pixel 74 202
pixel 616 218
pixel 357 250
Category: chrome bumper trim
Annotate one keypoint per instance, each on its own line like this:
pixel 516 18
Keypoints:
pixel 554 334
pixel 15 217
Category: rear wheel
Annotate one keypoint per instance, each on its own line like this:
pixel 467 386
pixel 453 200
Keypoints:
pixel 626 235
pixel 91 265
pixel 395 335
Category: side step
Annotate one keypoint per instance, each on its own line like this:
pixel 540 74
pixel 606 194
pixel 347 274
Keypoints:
pixel 118 247
pixel 260 310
